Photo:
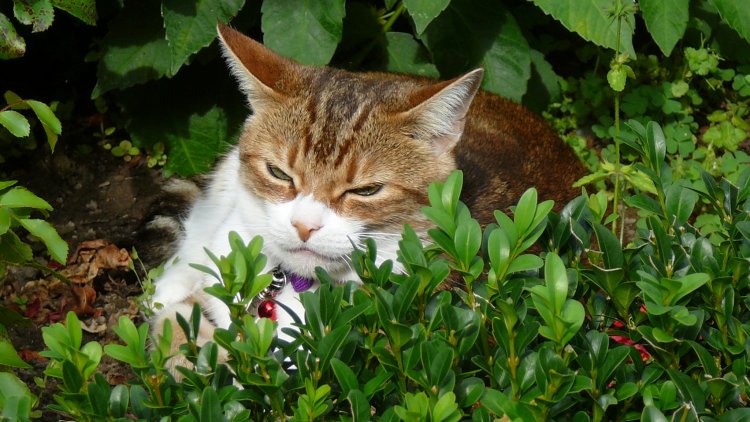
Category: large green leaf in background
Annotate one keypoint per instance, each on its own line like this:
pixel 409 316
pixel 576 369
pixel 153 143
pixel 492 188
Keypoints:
pixel 406 55
pixel 736 13
pixel 424 11
pixel 132 57
pixel 37 13
pixel 591 20
pixel 11 45
pixel 471 34
pixel 666 21
pixel 196 115
pixel 84 10
pixel 191 25
pixel 305 30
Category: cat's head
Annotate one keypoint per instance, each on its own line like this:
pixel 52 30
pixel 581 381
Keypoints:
pixel 337 156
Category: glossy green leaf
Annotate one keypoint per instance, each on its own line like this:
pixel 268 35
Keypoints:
pixel 736 14
pixel 611 250
pixel 592 21
pixel 652 414
pixel 346 377
pixel 37 13
pixel 11 44
pixel 643 202
pixel 406 55
pixel 12 387
pixel 468 240
pixel 306 31
pixel 680 202
pixel 71 377
pixel 666 21
pixel 118 401
pixel 689 389
pixel 56 246
pixel 190 26
pixel 15 122
pixel 210 406
pixel 424 11
pixel 525 262
pixel 359 405
pixel 331 343
pixel 470 34
pixel 85 10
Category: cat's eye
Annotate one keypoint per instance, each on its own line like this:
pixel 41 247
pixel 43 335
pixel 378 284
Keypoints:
pixel 277 173
pixel 368 190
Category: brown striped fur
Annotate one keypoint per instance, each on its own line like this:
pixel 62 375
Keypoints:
pixel 333 131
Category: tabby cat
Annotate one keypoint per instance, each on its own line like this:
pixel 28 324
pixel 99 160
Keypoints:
pixel 329 158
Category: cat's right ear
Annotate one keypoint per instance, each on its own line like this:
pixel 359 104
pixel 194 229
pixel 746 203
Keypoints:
pixel 262 74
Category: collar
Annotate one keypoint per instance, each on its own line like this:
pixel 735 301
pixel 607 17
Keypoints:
pixel 264 303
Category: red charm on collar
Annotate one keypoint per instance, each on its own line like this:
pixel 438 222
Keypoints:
pixel 267 309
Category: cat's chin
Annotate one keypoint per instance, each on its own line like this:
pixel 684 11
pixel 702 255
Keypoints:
pixel 303 261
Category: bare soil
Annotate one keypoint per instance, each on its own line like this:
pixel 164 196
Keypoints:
pixel 100 205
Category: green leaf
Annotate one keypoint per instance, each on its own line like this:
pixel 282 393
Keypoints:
pixel 617 77
pixel 652 414
pixel 4 220
pixel 592 21
pixel 666 21
pixel 118 400
pixel 20 197
pixel 525 263
pixel 406 55
pixel 15 122
pixel 13 250
pixel 736 14
pixel 37 13
pixel 689 389
pixel 56 246
pixel 331 343
pixel 468 240
pixel 424 11
pixel 306 31
pixel 46 116
pixel 210 406
pixel 9 357
pixel 11 45
pixel 85 10
pixel 72 379
pixel 360 406
pixel 610 246
pixel 680 202
pixel 10 387
pixel 344 374
pixel 470 34
pixel 191 25
pixel 197 129
pixel 133 57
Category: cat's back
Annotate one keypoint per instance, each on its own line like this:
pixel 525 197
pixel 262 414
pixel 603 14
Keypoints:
pixel 505 149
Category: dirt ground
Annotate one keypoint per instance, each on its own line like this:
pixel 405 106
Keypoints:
pixel 100 204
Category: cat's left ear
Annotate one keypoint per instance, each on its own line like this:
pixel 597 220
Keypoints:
pixel 439 111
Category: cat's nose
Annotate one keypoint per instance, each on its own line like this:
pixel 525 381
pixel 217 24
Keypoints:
pixel 303 230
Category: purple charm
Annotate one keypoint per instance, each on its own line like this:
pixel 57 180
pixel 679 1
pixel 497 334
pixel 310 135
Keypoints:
pixel 299 283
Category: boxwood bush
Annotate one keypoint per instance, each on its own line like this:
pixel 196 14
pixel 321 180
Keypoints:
pixel 553 319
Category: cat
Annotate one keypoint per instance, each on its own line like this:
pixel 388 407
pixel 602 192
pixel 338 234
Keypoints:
pixel 328 158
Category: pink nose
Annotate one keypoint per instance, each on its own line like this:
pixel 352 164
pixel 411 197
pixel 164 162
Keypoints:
pixel 304 231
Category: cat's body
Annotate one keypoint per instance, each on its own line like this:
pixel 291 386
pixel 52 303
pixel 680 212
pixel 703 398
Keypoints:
pixel 329 158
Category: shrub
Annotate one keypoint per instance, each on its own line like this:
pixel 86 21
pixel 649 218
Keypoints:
pixel 588 330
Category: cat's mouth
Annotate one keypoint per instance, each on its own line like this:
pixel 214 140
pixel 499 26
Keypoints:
pixel 309 253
